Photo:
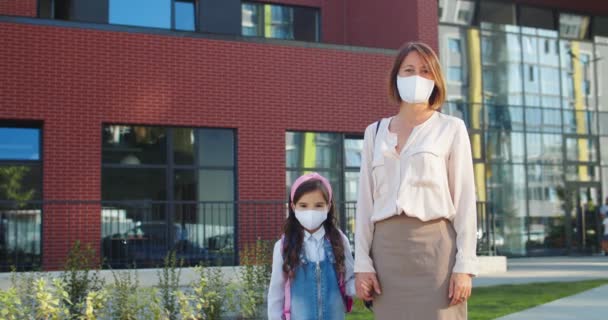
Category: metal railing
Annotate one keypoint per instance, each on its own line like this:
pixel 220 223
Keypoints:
pixel 141 233
pixel 20 235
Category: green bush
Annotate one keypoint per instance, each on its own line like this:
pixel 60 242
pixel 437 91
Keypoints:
pixel 169 283
pixel 254 277
pixel 79 294
pixel 80 276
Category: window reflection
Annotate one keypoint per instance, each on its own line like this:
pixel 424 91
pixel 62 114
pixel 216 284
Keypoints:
pixel 280 21
pixel 532 111
pixel 145 13
pixel 506 186
pixel 573 26
pixel 456 11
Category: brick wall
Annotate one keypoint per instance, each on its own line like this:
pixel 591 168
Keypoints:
pixel 25 8
pixel 75 80
pixel 391 23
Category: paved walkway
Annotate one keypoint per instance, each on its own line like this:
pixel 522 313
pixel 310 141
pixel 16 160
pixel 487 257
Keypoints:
pixel 551 269
pixel 588 305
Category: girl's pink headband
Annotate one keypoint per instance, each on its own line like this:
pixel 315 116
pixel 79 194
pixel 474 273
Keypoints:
pixel 307 177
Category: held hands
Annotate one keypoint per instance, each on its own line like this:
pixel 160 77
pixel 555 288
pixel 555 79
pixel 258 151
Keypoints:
pixel 460 288
pixel 366 284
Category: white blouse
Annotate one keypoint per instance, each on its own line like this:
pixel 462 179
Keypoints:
pixel 431 178
pixel 314 251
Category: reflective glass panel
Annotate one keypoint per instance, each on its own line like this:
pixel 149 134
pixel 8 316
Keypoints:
pixel 252 19
pixel 536 17
pixel 505 118
pixel 184 15
pixel 19 143
pixel 313 150
pixel 544 148
pixel 133 184
pixel 134 145
pixel 505 146
pixel 545 194
pixel 352 152
pixel 456 11
pixel 20 182
pixel 582 173
pixel 604 150
pixel 145 13
pixel 573 26
pixel 506 186
pixel 581 149
pixel 216 147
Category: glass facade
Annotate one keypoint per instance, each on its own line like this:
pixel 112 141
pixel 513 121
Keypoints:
pixel 530 93
pixel 280 21
pixel 164 14
pixel 334 155
pixel 20 184
pixel 185 178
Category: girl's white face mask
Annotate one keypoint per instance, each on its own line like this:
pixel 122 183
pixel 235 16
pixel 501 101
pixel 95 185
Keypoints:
pixel 311 219
pixel 415 89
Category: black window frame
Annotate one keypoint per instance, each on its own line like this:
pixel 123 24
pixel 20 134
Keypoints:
pixel 33 204
pixel 262 20
pixel 170 168
pixel 51 14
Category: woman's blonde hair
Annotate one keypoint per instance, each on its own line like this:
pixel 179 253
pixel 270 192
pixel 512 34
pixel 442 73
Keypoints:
pixel 437 97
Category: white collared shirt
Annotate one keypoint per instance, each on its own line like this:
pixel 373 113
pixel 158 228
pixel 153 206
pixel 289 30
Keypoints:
pixel 431 178
pixel 314 251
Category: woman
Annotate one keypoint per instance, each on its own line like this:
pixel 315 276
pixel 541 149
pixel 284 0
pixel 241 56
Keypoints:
pixel 416 222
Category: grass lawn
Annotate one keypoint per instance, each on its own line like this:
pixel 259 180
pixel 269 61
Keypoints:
pixel 493 302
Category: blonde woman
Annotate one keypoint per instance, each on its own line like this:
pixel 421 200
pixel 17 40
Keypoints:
pixel 415 238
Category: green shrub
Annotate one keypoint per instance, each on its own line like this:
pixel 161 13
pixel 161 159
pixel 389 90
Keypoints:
pixel 254 277
pixel 51 303
pixel 169 283
pixel 78 277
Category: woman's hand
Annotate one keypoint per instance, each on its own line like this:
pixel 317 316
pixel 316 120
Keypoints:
pixel 460 288
pixel 366 283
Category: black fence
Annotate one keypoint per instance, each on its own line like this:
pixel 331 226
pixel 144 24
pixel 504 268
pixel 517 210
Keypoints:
pixel 141 233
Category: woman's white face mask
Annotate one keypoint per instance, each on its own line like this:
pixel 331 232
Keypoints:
pixel 415 89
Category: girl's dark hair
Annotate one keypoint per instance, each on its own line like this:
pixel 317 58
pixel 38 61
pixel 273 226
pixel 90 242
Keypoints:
pixel 294 232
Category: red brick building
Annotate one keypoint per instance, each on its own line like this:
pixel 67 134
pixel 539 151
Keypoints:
pixel 98 89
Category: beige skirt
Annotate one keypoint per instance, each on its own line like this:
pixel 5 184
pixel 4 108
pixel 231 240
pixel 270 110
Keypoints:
pixel 414 261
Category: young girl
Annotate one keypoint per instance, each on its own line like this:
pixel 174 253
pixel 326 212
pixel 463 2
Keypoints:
pixel 312 268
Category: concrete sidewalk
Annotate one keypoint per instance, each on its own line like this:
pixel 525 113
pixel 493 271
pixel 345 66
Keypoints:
pixel 551 269
pixel 588 305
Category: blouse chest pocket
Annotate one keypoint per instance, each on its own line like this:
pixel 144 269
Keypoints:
pixel 379 177
pixel 425 168
pixel 425 186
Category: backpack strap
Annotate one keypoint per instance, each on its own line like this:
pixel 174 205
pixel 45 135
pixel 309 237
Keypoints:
pixel 287 302
pixel 348 300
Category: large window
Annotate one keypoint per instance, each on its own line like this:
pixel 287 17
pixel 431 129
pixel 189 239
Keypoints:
pixel 532 97
pixel 335 156
pixel 20 183
pixel 175 185
pixel 280 21
pixel 165 14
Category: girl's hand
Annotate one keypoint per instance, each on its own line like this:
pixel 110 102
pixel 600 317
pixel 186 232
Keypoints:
pixel 366 283
pixel 460 288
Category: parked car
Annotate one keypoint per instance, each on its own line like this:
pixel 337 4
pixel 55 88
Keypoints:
pixel 147 244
